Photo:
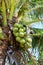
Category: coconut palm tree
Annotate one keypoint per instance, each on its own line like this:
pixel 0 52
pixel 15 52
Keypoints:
pixel 16 33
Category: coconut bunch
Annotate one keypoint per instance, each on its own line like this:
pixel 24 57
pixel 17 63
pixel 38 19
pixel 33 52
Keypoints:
pixel 19 31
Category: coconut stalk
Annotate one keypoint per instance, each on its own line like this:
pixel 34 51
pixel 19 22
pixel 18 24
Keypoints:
pixel 7 4
pixel 4 14
pixel 12 9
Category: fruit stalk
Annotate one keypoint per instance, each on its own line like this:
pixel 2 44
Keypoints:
pixel 4 13
pixel 12 9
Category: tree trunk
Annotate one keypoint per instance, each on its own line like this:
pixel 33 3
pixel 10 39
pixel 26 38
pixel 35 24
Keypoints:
pixel 3 49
